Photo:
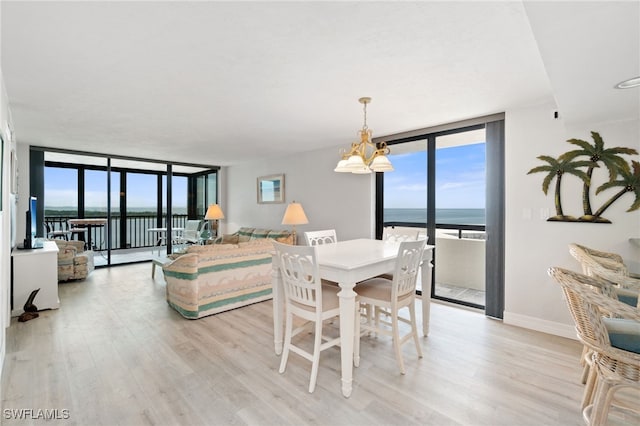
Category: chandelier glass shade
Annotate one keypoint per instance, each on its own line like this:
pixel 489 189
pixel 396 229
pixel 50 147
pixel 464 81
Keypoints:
pixel 364 157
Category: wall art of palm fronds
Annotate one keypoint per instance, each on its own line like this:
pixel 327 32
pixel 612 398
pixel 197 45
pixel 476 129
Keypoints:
pixel 580 163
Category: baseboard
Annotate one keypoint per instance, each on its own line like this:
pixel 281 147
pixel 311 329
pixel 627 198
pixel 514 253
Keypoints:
pixel 537 324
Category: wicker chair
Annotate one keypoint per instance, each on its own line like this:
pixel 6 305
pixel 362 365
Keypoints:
pixel 616 365
pixel 595 259
pixel 610 267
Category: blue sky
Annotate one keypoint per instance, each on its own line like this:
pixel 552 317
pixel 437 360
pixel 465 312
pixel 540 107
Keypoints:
pixel 61 189
pixel 460 178
pixel 460 183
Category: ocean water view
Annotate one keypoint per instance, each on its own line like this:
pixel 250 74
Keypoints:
pixel 444 216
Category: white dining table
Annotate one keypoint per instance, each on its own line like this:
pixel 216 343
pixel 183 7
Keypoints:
pixel 349 262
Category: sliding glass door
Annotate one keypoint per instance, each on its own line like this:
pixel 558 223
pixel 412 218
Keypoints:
pixel 134 199
pixel 460 189
pixel 440 189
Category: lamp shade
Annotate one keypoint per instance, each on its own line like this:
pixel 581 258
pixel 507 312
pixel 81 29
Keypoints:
pixel 214 212
pixel 381 164
pixel 294 215
pixel 342 167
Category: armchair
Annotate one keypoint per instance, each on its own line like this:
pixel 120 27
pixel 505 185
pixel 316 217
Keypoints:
pixel 74 263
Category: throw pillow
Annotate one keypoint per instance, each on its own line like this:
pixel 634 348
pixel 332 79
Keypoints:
pixel 259 234
pixel 278 234
pixel 244 234
pixel 286 240
pixel 230 239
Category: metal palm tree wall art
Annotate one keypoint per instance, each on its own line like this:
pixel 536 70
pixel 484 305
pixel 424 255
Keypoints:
pixel 620 175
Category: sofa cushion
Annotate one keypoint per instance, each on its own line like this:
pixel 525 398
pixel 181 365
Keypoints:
pixel 278 234
pixel 81 259
pixel 259 234
pixel 623 333
pixel 230 239
pixel 244 234
pixel 211 248
pixel 286 240
pixel 66 255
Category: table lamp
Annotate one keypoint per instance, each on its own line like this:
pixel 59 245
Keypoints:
pixel 294 215
pixel 214 212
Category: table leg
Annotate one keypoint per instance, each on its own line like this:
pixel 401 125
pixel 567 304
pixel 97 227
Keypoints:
pixel 89 245
pixel 426 268
pixel 347 323
pixel 278 306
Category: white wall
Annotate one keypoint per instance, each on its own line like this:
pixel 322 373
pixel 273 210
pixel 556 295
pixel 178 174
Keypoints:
pixel 532 299
pixel 340 201
pixel 5 222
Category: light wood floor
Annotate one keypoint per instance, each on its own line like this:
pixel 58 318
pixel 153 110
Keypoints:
pixel 115 353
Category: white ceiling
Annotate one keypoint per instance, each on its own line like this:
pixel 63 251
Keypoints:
pixel 221 83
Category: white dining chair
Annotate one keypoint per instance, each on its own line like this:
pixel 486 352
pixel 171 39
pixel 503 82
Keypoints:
pixel 307 298
pixel 389 296
pixel 400 234
pixel 327 236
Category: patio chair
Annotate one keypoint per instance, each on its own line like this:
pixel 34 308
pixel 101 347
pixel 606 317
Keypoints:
pixel 51 233
pixel 192 232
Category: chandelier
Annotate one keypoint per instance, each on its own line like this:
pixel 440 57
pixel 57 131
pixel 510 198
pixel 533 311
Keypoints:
pixel 365 156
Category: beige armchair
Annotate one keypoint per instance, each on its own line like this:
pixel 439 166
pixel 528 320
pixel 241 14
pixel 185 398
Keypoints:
pixel 74 263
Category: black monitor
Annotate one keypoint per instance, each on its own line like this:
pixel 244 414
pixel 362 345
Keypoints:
pixel 30 240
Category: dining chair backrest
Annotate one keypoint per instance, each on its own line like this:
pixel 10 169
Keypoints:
pixel 327 236
pixel 300 275
pixel 575 287
pixel 595 261
pixel 400 234
pixel 407 267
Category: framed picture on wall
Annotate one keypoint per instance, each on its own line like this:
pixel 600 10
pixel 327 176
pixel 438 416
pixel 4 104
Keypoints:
pixel 271 189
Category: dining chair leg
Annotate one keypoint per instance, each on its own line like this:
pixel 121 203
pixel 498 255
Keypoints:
pixel 590 386
pixel 396 342
pixel 414 329
pixel 376 315
pixel 287 342
pixel 317 343
pixel 356 337
pixel 599 409
pixel 585 364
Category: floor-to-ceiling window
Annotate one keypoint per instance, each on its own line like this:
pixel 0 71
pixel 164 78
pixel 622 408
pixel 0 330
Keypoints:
pixel 131 194
pixel 61 198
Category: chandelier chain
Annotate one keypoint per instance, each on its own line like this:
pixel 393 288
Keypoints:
pixel 364 127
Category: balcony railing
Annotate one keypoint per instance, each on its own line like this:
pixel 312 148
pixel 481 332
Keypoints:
pixel 459 261
pixel 137 233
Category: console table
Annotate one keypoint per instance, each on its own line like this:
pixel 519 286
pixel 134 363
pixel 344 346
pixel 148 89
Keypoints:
pixel 32 269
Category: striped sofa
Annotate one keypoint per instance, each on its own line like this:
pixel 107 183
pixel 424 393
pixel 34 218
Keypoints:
pixel 215 278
